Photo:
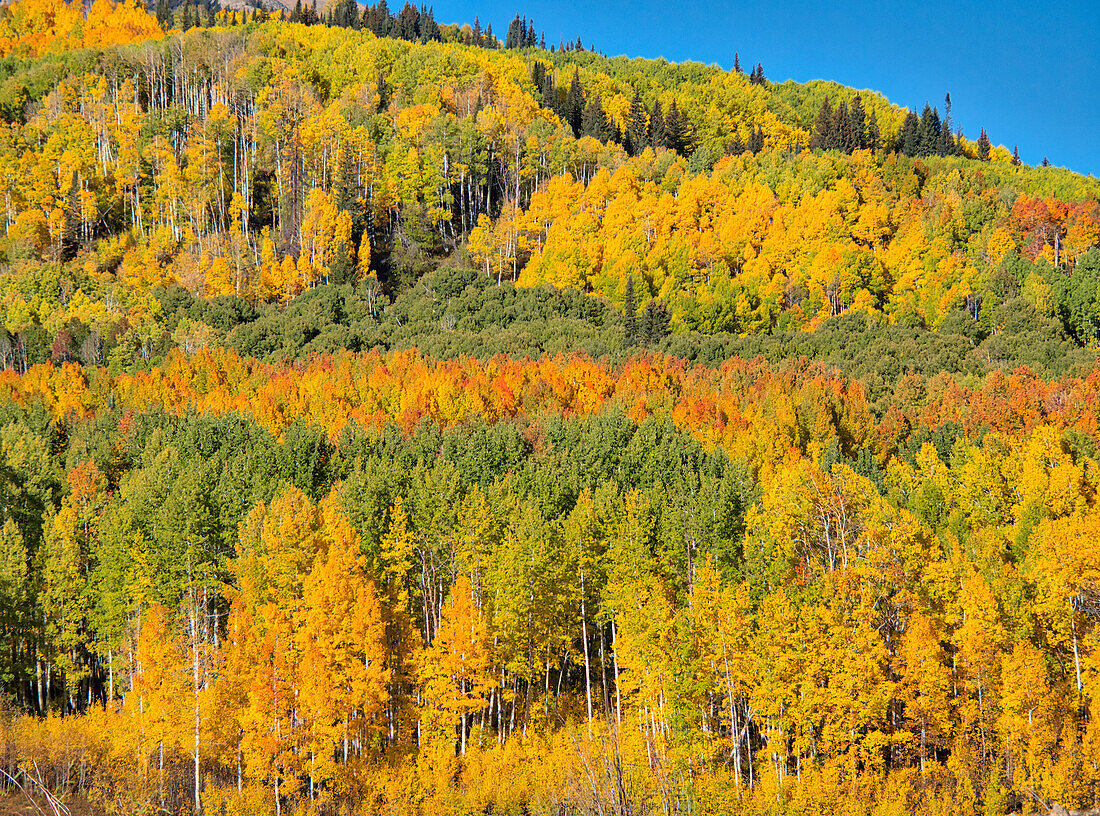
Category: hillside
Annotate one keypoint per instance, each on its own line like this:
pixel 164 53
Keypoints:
pixel 397 417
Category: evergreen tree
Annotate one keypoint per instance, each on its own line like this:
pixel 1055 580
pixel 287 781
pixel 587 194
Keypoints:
pixel 858 123
pixel 512 38
pixel 678 133
pixel 657 135
pixel 984 146
pixel 407 25
pixel 909 135
pixel 822 138
pixel 736 147
pixel 873 137
pixel 947 146
pixel 929 132
pixel 574 103
pixel 843 138
pixel 655 320
pixel 429 28
pixel 383 20
pixel 737 63
pixel 594 122
pixel 1016 155
pixel 756 140
pixel 211 14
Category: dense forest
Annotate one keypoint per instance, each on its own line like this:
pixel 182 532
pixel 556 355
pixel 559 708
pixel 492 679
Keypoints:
pixel 398 418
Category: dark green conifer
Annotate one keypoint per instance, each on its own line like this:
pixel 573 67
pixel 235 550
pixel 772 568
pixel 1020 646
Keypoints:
pixel 678 133
pixel 858 120
pixel 909 135
pixel 574 103
pixel 637 126
pixel 984 146
pixel 594 122
pixel 657 134
pixel 822 138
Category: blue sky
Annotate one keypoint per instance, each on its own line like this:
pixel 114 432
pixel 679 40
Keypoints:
pixel 1028 73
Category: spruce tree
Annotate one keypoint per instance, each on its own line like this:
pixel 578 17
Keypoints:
pixel 511 39
pixel 737 63
pixel 657 135
pixel 655 320
pixel 677 130
pixel 594 122
pixel 843 138
pixel 637 126
pixel 873 138
pixel 822 138
pixel 984 146
pixel 947 146
pixel 909 135
pixel 574 103
pixel 858 120
pixel 756 140
pixel 929 134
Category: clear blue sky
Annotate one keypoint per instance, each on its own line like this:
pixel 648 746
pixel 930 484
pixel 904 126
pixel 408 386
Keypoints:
pixel 1029 73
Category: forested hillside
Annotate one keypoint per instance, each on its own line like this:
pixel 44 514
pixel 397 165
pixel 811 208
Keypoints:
pixel 397 417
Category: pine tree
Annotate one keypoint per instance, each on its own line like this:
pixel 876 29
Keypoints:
pixel 822 138
pixel 594 122
pixel 511 39
pixel 873 137
pixel 929 133
pixel 657 135
pixel 737 63
pixel 1016 156
pixel 909 135
pixel 947 146
pixel 574 103
pixel 984 146
pixel 843 138
pixel 678 130
pixel 756 140
pixel 655 322
pixel 858 120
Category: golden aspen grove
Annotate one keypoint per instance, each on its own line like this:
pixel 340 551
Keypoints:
pixel 400 419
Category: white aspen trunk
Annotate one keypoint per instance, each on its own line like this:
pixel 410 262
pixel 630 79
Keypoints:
pixel 587 672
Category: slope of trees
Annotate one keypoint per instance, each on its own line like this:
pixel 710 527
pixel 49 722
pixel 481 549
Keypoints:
pixel 731 579
pixel 261 161
pixel 399 419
